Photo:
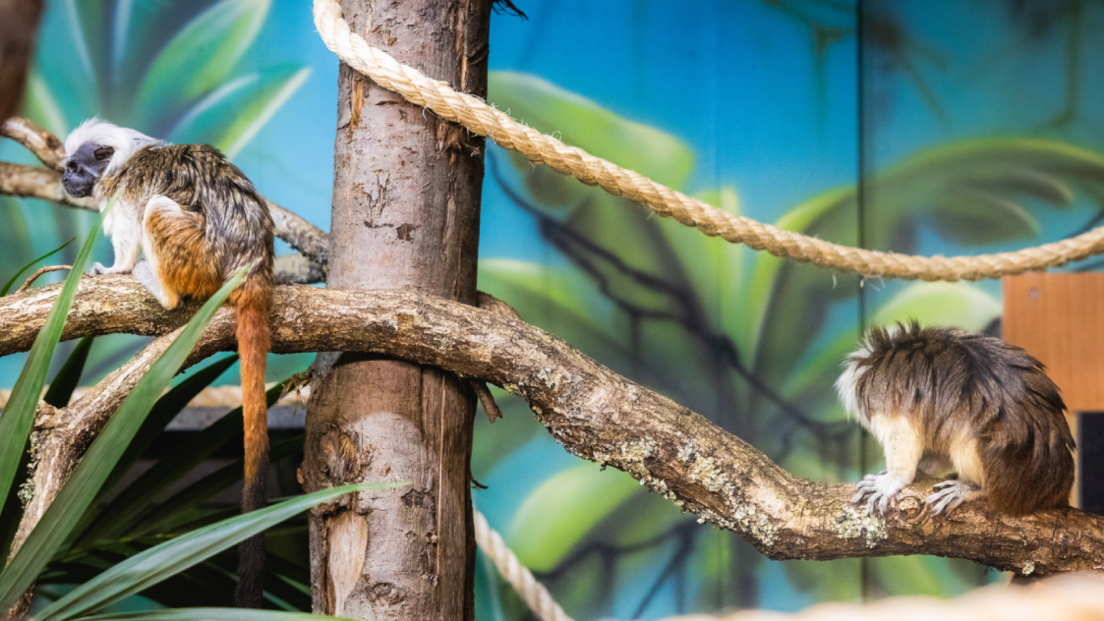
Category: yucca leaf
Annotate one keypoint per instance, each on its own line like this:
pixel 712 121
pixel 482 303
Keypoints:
pixel 15 423
pixel 67 378
pixel 115 518
pixel 84 484
pixel 156 564
pixel 167 407
pixel 8 285
pixel 208 486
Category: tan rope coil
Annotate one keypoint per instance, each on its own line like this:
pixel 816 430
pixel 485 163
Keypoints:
pixel 479 118
pixel 535 595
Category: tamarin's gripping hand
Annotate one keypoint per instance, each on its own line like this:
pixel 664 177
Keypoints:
pixel 197 219
pixel 943 398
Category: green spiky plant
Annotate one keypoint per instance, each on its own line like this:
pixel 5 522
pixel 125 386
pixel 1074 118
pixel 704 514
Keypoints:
pixel 173 551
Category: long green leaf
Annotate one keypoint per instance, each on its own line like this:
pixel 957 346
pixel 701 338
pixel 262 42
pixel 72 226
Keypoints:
pixel 167 407
pixel 67 378
pixel 201 55
pixel 156 564
pixel 117 516
pixel 8 285
pixel 77 494
pixel 209 614
pixel 207 487
pixel 15 423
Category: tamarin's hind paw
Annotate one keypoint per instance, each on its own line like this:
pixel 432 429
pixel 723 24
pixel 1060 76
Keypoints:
pixel 949 494
pixel 98 268
pixel 878 489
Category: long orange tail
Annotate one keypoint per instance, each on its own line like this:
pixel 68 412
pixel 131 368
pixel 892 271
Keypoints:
pixel 253 304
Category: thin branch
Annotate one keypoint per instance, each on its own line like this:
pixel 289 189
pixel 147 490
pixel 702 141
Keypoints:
pixel 487 399
pixel 600 416
pixel 42 270
pixel 44 145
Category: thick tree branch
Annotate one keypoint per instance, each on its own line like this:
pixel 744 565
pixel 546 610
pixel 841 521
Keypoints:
pixel 601 416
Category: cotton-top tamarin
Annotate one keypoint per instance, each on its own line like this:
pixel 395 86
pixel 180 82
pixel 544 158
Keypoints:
pixel 197 219
pixel 946 397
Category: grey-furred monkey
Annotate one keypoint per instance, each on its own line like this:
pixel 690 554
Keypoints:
pixel 945 397
pixel 197 219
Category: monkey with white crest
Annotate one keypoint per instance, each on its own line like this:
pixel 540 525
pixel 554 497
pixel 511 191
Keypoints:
pixel 939 398
pixel 196 219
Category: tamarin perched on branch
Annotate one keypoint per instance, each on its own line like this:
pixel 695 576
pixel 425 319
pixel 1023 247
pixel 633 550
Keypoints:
pixel 197 219
pixel 946 397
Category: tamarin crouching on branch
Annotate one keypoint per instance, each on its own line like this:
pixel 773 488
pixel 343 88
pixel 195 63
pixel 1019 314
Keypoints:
pixel 940 397
pixel 197 219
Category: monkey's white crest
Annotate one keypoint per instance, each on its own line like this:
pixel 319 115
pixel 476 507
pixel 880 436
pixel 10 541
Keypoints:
pixel 124 140
pixel 847 384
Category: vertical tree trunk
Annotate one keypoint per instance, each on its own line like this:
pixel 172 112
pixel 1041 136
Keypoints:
pixel 405 214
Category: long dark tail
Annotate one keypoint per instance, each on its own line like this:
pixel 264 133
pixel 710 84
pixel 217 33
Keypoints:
pixel 253 304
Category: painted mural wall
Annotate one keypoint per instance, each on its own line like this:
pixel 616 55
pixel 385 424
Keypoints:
pixel 940 127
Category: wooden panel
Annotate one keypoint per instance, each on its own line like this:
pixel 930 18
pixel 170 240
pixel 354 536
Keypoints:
pixel 1059 319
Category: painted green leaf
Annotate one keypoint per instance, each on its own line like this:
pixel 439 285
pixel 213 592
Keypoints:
pixel 933 303
pixel 563 509
pixel 65 382
pixel 200 56
pixel 232 114
pixel 580 122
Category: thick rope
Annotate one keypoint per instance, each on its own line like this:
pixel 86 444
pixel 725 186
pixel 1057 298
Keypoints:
pixel 535 595
pixel 481 119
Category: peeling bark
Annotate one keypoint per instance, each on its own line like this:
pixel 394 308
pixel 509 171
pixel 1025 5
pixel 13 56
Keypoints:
pixel 598 415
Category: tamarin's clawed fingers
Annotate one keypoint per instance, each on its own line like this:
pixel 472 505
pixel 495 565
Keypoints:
pixel 947 398
pixel 196 218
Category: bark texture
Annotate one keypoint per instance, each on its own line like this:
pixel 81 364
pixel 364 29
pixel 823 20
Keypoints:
pixel 405 216
pixel 592 411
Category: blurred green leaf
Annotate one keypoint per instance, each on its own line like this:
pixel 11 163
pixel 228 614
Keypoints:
pixel 942 304
pixel 932 303
pixel 150 567
pixel 116 517
pixel 8 285
pixel 563 509
pixel 232 114
pixel 84 483
pixel 202 490
pixel 67 378
pixel 40 105
pixel 15 424
pixel 200 56
pixel 585 124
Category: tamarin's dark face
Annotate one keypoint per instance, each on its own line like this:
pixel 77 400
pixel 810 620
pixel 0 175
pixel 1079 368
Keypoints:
pixel 84 168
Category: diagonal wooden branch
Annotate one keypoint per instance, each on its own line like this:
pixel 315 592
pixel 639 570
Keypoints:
pixel 44 145
pixel 598 415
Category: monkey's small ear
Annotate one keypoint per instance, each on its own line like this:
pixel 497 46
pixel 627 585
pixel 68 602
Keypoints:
pixel 103 153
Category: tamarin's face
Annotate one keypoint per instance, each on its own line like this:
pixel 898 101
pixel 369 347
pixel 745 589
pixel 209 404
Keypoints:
pixel 83 168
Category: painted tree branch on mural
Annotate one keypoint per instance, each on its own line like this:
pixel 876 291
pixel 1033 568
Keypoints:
pixel 595 413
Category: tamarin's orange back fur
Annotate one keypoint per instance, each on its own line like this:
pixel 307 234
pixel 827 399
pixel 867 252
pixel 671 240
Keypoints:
pixel 197 219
